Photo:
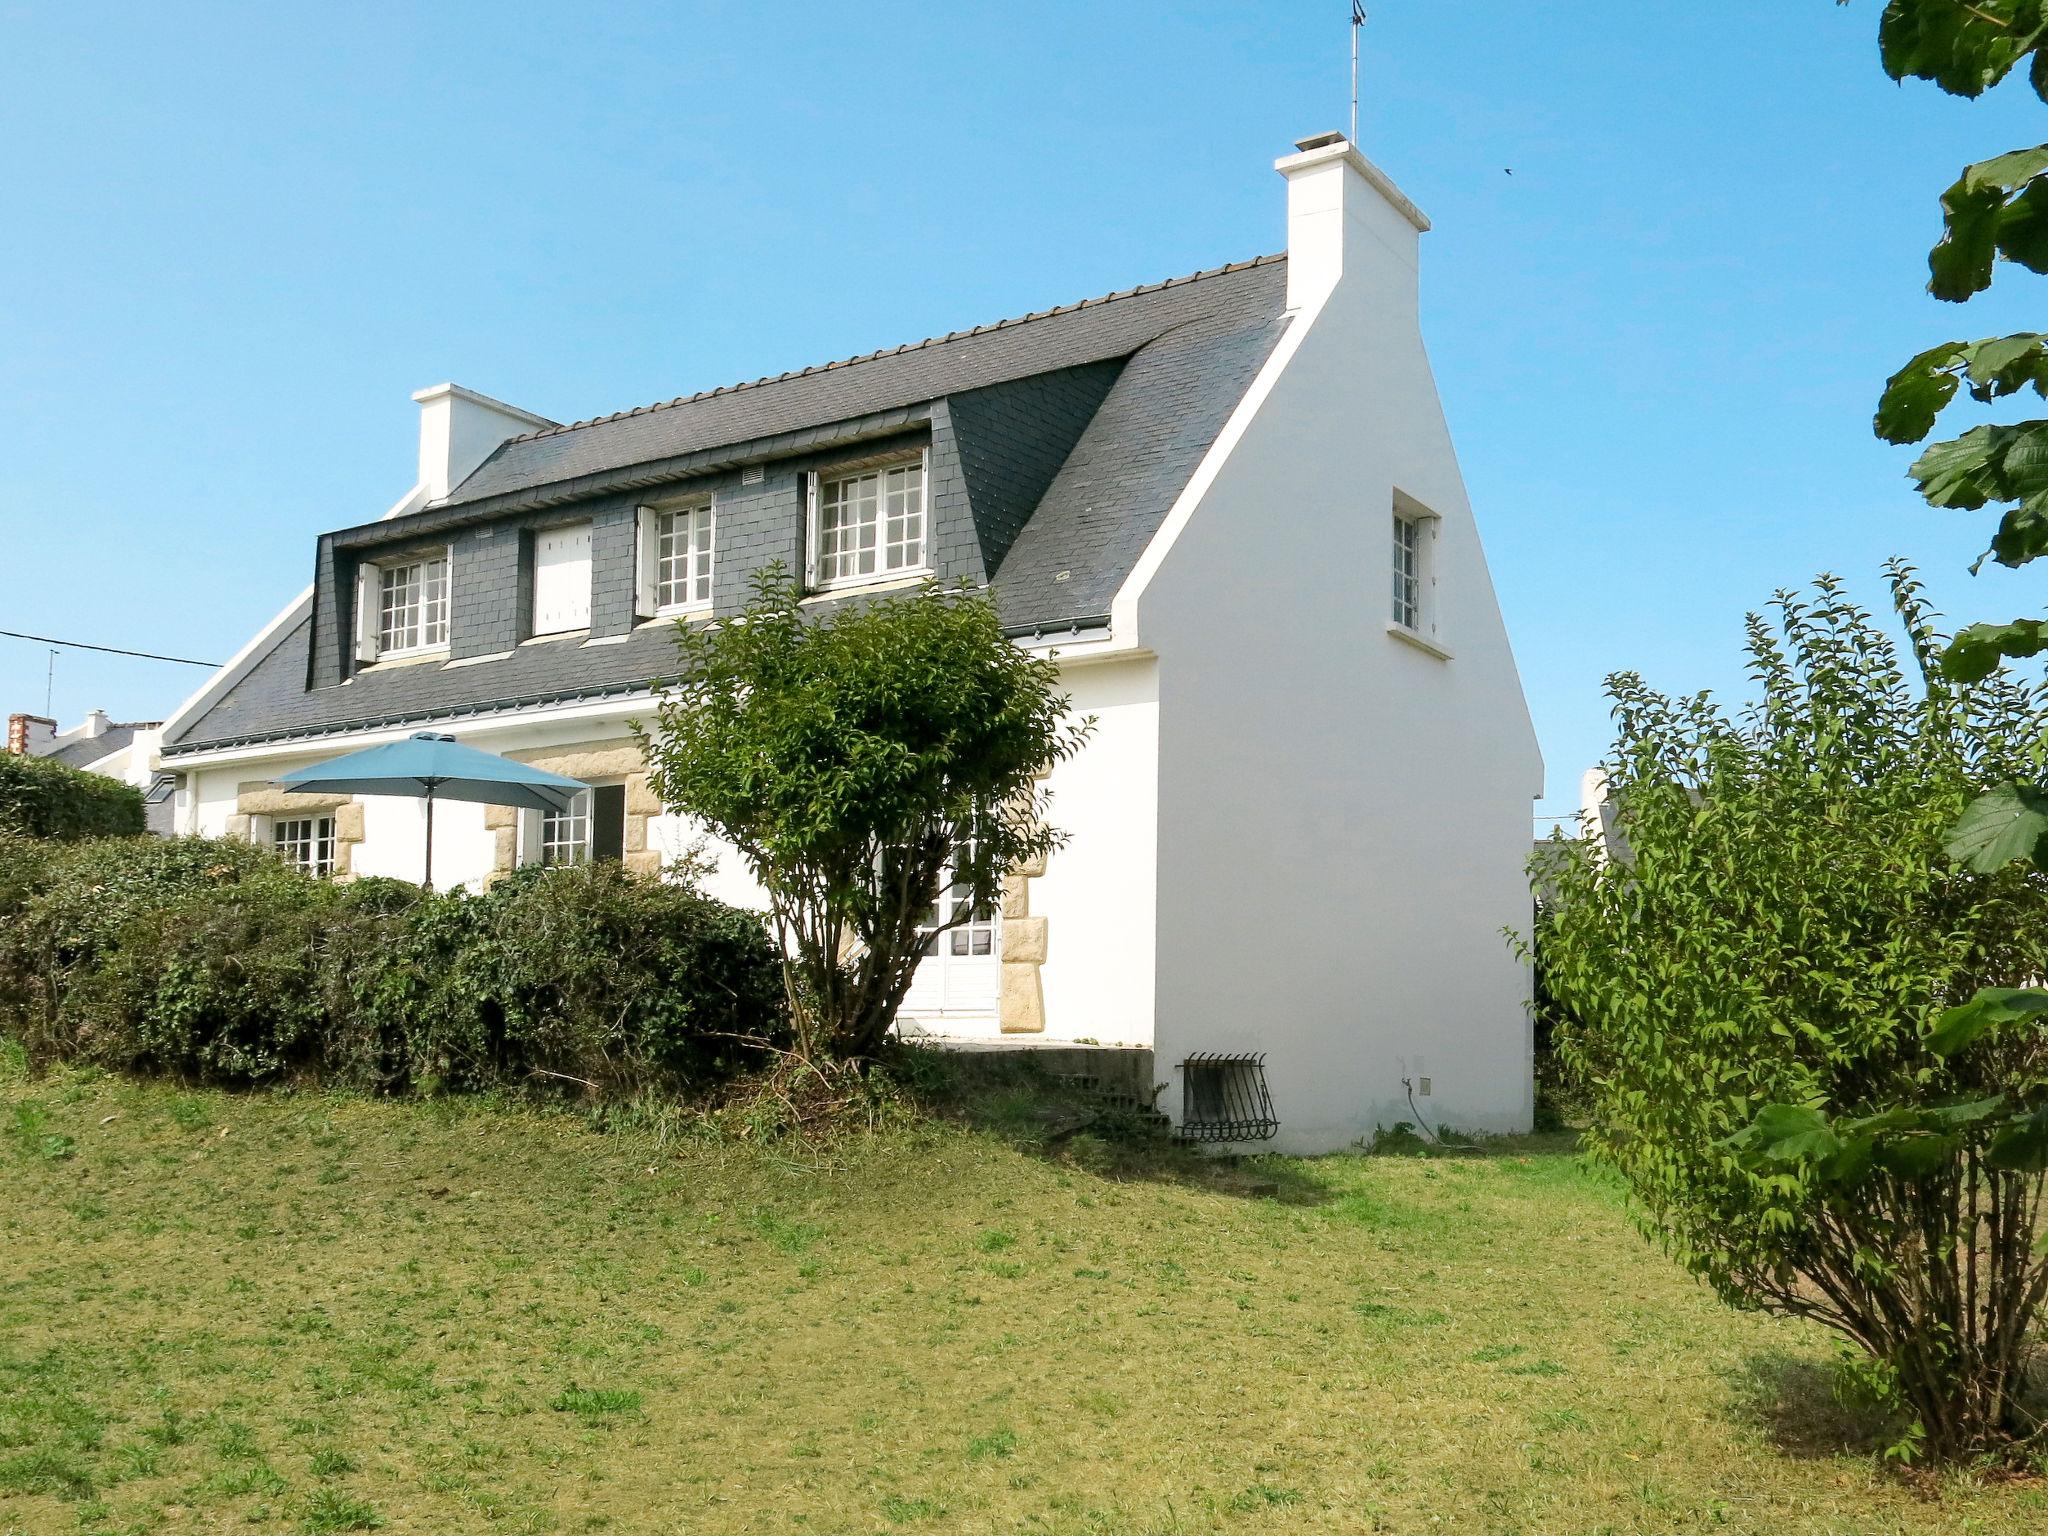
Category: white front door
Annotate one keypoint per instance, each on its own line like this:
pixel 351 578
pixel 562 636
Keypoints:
pixel 958 976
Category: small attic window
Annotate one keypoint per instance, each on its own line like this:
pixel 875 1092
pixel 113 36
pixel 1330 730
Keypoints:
pixel 1414 612
pixel 1224 1098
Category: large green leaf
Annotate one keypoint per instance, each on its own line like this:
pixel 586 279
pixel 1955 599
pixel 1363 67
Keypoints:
pixel 1963 1114
pixel 2000 826
pixel 2002 365
pixel 1993 367
pixel 1791 1133
pixel 2023 1145
pixel 1959 1027
pixel 1995 208
pixel 2021 535
pixel 1965 48
pixel 1916 1156
pixel 1963 471
pixel 1975 653
pixel 2023 228
pixel 1917 393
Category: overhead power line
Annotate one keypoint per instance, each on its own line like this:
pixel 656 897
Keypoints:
pixel 111 650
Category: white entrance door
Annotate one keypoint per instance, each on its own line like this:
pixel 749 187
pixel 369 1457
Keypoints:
pixel 958 976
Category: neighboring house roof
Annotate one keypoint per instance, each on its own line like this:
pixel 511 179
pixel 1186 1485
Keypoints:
pixel 1185 352
pixel 79 751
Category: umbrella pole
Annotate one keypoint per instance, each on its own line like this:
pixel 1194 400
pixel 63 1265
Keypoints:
pixel 430 837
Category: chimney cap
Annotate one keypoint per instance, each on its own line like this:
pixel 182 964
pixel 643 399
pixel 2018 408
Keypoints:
pixel 1318 141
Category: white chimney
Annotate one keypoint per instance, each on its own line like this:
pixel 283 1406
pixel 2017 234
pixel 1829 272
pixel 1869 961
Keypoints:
pixel 459 428
pixel 1344 215
pixel 96 724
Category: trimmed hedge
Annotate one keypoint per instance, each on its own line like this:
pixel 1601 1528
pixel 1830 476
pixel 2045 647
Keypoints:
pixel 42 797
pixel 215 961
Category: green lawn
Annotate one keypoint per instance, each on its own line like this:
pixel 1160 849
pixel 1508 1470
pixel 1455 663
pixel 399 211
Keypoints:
pixel 322 1314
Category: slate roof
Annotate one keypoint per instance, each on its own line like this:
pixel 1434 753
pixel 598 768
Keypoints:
pixel 1115 325
pixel 1189 349
pixel 77 751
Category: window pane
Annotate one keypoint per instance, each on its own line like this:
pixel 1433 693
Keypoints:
pixel 871 523
pixel 307 841
pixel 565 835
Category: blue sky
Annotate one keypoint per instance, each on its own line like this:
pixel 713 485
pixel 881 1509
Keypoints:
pixel 233 239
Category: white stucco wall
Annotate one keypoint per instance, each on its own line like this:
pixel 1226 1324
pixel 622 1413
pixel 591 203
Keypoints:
pixel 1099 893
pixel 1343 818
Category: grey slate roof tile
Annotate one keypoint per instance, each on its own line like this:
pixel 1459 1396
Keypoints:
pixel 1077 428
pixel 1097 329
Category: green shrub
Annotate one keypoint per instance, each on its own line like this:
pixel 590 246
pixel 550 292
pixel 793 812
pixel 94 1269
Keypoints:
pixel 42 797
pixel 1770 954
pixel 217 962
pixel 88 908
pixel 589 974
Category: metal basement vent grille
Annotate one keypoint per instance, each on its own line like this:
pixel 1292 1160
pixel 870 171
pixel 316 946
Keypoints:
pixel 1224 1098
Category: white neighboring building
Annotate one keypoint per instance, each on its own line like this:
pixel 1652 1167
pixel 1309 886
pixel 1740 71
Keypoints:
pixel 1227 504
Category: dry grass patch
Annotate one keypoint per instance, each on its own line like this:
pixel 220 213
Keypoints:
pixel 318 1314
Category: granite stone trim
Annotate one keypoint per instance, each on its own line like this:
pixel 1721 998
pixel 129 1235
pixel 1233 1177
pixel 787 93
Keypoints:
pixel 258 800
pixel 590 760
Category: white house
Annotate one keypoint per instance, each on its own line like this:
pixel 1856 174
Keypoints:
pixel 1227 504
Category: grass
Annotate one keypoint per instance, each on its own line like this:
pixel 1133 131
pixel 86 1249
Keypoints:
pixel 314 1314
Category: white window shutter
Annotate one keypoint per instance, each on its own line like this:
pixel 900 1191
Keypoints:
pixel 646 588
pixel 811 530
pixel 561 580
pixel 366 612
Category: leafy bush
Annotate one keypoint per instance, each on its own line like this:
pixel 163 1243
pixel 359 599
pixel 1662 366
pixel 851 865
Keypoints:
pixel 42 797
pixel 79 906
pixel 1749 998
pixel 589 974
pixel 215 961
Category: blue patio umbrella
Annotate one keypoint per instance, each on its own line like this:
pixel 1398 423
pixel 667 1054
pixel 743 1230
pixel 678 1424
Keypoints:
pixel 430 766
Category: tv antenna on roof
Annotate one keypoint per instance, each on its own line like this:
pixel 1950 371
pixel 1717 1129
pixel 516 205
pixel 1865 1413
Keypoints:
pixel 1357 21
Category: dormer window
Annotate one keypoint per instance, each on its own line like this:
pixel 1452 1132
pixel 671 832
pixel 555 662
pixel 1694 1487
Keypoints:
pixel 675 559
pixel 868 524
pixel 402 606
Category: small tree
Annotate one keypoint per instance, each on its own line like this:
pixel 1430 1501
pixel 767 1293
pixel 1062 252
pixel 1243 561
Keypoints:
pixel 1772 1001
pixel 853 759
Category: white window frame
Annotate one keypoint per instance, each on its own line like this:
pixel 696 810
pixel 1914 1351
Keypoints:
pixel 305 841
pixel 430 635
pixel 571 829
pixel 1411 539
pixel 699 556
pixel 815 577
pixel 1411 574
pixel 535 828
